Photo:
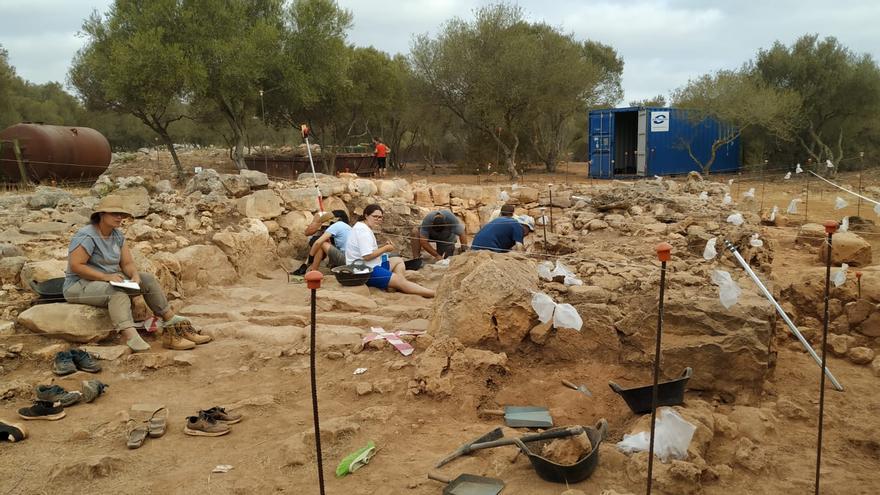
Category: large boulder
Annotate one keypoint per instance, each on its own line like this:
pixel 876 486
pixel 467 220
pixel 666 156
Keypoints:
pixel 48 197
pixel 136 199
pixel 250 249
pixel 811 234
pixel 236 185
pixel 72 322
pixel 848 248
pixel 364 187
pixel 207 181
pixel 484 300
pixel 44 227
pixel 296 244
pixel 40 271
pixel 202 265
pixel 255 178
pixel 264 204
pixel 300 199
pixel 10 267
pixel 441 194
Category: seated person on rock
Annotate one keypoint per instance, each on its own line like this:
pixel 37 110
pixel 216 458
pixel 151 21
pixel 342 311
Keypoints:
pixel 314 230
pixel 362 245
pixel 332 242
pixel 98 255
pixel 504 234
pixel 442 228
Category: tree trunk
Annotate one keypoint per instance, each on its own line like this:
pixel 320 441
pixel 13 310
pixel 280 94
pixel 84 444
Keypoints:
pixel 169 143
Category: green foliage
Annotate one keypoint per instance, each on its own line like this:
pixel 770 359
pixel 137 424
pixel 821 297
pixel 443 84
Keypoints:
pixel 656 101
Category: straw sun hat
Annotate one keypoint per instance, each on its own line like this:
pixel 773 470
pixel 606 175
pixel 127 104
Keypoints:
pixel 110 204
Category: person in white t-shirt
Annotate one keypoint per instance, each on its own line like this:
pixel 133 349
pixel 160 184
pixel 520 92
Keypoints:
pixel 362 245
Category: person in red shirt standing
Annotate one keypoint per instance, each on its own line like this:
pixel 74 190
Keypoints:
pixel 380 153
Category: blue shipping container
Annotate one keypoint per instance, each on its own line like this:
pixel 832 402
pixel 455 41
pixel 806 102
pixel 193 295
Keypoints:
pixel 634 141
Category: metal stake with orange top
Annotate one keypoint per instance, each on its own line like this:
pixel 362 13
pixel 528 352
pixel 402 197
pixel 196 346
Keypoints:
pixel 830 229
pixel 313 282
pixel 664 253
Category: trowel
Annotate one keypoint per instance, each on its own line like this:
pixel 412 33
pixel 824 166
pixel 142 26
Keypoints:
pixel 580 388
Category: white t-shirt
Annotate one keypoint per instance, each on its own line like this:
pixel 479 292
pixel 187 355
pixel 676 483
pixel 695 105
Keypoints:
pixel 361 242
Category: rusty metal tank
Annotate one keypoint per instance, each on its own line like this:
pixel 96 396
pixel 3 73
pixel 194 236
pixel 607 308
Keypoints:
pixel 53 152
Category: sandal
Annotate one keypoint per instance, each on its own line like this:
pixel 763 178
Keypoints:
pixel 157 423
pixel 137 434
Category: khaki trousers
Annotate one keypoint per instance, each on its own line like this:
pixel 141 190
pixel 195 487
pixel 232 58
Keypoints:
pixel 118 301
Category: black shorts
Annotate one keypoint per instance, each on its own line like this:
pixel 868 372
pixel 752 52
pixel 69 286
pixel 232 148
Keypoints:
pixel 381 161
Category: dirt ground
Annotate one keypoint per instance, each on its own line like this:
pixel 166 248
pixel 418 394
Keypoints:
pixel 259 364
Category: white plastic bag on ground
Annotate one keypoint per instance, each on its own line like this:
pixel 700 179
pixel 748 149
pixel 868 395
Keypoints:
pixel 503 196
pixel 798 170
pixel 750 194
pixel 568 276
pixel 773 213
pixel 566 316
pixel 828 164
pixel 787 176
pixel 727 199
pixel 729 182
pixel 877 209
pixel 704 196
pixel 543 306
pixel 736 219
pixel 792 206
pixel 844 225
pixel 839 277
pixel 728 290
pixel 545 270
pixel 709 253
pixel 755 242
pixel 839 203
pixel 658 178
pixel 672 437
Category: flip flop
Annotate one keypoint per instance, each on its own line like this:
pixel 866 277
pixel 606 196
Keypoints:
pixel 137 434
pixel 158 422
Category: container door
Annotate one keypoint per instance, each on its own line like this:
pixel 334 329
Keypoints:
pixel 601 145
pixel 642 144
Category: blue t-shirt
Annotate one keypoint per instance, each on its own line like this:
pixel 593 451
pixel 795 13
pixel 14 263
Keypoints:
pixel 451 229
pixel 339 233
pixel 104 254
pixel 499 235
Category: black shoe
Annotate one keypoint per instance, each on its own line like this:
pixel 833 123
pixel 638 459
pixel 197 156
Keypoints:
pixel 63 364
pixel 42 410
pixel 84 361
pixel 91 389
pixel 12 432
pixel 301 270
pixel 54 393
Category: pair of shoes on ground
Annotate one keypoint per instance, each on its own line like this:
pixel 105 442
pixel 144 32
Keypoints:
pixel 67 362
pixel 52 399
pixel 12 432
pixel 154 427
pixel 178 334
pixel 211 422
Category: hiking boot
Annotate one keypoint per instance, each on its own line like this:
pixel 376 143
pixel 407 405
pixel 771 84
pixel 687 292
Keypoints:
pixel 204 426
pixel 42 410
pixel 54 393
pixel 301 270
pixel 84 361
pixel 63 364
pixel 193 335
pixel 12 432
pixel 172 338
pixel 91 389
pixel 220 415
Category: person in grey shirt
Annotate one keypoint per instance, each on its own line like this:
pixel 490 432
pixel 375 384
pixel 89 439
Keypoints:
pixel 442 228
pixel 98 257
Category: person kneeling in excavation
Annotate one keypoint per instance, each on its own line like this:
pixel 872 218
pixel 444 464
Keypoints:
pixel 99 257
pixel 362 245
pixel 442 228
pixel 504 234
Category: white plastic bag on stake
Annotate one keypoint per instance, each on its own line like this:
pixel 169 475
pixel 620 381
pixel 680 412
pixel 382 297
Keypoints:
pixel 545 270
pixel 787 176
pixel 543 306
pixel 709 252
pixel 566 316
pixel 773 213
pixel 755 242
pixel 877 209
pixel 729 182
pixel 704 196
pixel 727 199
pixel 736 219
pixel 798 170
pixel 750 194
pixel 792 206
pixel 844 225
pixel 839 277
pixel 828 164
pixel 728 290
pixel 503 196
pixel 672 437
pixel 839 203
pixel 658 179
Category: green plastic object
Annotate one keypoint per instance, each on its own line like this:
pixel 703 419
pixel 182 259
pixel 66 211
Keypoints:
pixel 356 460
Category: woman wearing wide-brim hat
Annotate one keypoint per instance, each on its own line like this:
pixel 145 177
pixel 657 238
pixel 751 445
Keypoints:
pixel 98 255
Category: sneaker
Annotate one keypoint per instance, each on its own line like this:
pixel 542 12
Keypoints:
pixel 91 389
pixel 301 270
pixel 63 364
pixel 84 361
pixel 12 432
pixel 204 426
pixel 220 415
pixel 42 410
pixel 55 393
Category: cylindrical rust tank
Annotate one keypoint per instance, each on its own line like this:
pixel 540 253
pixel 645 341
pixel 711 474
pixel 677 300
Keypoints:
pixel 53 152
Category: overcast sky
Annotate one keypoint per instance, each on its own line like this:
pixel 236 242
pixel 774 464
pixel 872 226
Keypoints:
pixel 663 43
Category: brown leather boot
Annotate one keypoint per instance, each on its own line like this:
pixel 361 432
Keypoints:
pixel 190 333
pixel 173 339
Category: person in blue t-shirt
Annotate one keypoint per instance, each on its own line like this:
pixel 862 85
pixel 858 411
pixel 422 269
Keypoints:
pixel 503 233
pixel 331 244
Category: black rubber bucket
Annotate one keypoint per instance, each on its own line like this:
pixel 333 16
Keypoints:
pixel 560 473
pixel 669 393
pixel 346 275
pixel 50 291
pixel 413 264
